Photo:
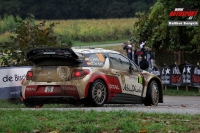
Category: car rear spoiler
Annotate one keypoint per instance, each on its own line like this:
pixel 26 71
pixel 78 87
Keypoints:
pixel 36 54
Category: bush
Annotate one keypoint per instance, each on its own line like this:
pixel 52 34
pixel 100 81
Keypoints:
pixel 29 35
pixel 7 23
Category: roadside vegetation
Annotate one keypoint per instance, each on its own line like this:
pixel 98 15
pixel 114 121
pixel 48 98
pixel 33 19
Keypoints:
pixel 79 31
pixel 172 91
pixel 58 121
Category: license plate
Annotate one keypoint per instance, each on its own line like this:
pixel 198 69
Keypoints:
pixel 49 88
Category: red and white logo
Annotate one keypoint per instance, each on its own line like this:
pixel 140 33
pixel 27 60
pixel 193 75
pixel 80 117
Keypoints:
pixel 179 12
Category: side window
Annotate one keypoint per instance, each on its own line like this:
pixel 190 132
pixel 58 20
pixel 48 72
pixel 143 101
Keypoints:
pixel 119 62
pixel 134 67
pixel 93 59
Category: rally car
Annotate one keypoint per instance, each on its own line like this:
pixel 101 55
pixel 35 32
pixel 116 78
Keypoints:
pixel 91 77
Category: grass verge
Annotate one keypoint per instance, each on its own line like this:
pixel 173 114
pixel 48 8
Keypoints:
pixel 77 43
pixel 43 121
pixel 172 91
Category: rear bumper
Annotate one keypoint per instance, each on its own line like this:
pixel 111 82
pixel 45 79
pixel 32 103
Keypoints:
pixel 50 92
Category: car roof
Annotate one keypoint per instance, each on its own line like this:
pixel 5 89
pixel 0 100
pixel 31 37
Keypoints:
pixel 94 50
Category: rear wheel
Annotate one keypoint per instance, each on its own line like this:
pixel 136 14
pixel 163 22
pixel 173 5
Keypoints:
pixel 152 95
pixel 97 94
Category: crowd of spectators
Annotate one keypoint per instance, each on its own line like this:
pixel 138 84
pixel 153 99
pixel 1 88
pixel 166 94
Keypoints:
pixel 140 54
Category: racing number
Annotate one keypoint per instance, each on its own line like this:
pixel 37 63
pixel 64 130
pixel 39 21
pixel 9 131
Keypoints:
pixel 49 89
pixel 101 58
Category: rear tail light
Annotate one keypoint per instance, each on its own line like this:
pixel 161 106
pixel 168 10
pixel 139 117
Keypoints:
pixel 80 73
pixel 29 75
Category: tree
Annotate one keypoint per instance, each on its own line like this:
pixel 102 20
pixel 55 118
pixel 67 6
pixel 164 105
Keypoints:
pixel 29 35
pixel 74 9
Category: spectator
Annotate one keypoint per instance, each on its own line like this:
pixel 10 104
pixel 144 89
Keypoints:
pixel 148 55
pixel 133 53
pixel 143 49
pixel 142 44
pixel 152 58
pixel 143 64
pixel 137 54
pixel 128 47
pixel 124 45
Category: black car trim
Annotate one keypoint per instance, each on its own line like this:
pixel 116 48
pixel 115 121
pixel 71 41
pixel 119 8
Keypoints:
pixel 126 98
pixel 36 54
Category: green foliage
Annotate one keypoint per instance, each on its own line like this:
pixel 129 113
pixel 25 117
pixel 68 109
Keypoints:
pixel 153 28
pixel 172 91
pixel 92 30
pixel 28 35
pixel 79 121
pixel 75 9
pixel 7 23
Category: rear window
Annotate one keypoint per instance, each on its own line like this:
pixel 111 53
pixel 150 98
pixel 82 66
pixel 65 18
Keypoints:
pixel 94 59
pixel 88 60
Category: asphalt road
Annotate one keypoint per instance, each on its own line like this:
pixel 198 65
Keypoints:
pixel 172 104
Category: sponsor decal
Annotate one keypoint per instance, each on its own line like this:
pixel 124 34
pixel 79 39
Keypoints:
pixel 93 51
pixel 179 12
pixel 183 10
pixel 132 88
pixel 73 88
pixel 134 78
pixel 16 77
pixel 89 63
pixel 196 78
pixel 115 87
pixel 87 59
pixel 100 57
pixel 30 89
pixel 140 80
pixel 15 92
pixel 48 74
pixel 95 60
pixel 63 72
pixel 175 78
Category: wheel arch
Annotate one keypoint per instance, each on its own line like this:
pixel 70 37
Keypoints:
pixel 103 78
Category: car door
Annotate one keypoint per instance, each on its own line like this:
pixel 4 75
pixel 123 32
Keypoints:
pixel 130 81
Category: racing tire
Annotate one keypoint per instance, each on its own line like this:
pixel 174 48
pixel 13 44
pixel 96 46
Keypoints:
pixel 97 94
pixel 152 95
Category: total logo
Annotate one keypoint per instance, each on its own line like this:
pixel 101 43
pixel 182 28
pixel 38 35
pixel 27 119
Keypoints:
pixel 30 89
pixel 113 87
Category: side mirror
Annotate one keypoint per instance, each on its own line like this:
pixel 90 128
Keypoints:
pixel 131 68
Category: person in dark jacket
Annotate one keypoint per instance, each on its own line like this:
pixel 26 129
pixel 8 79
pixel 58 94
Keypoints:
pixel 143 64
pixel 137 54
